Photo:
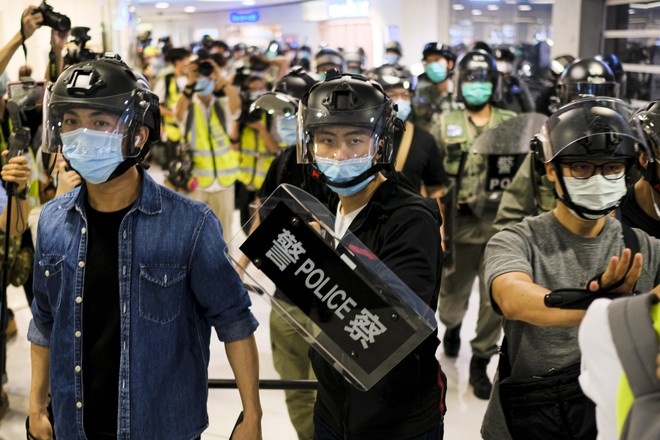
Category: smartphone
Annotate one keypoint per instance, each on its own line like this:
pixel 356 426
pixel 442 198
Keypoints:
pixel 27 92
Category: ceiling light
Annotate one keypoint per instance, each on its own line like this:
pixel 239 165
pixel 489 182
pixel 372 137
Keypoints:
pixel 524 8
pixel 189 9
pixel 458 7
pixel 249 2
pixel 162 5
pixel 493 8
pixel 476 12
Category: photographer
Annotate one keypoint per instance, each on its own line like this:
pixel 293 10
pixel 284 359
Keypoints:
pixel 30 22
pixel 202 112
pixel 253 131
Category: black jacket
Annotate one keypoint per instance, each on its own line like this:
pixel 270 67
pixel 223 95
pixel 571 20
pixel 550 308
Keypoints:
pixel 402 229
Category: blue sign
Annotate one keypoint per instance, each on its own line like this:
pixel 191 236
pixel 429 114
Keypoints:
pixel 244 17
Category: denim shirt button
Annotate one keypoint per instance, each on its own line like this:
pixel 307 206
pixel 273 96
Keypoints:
pixel 78 405
pixel 78 299
pixel 124 235
pixel 77 369
pixel 81 264
pixel 78 334
pixel 47 273
pixel 83 230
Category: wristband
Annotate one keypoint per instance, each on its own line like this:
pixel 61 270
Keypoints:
pixel 23 194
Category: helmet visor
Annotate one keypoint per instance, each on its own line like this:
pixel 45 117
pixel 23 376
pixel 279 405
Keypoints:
pixel 95 114
pixel 596 128
pixel 275 103
pixel 584 89
pixel 341 135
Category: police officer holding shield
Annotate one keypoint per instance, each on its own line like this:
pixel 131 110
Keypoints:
pixel 347 125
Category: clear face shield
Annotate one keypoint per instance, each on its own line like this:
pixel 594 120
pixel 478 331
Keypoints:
pixel 340 136
pixel 283 109
pixel 594 128
pixel 92 126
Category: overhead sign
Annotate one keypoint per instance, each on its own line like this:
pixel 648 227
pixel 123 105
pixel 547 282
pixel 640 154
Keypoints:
pixel 244 17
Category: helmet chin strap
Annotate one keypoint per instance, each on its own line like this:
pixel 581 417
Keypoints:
pixel 318 175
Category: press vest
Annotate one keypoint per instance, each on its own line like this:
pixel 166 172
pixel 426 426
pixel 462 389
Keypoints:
pixel 625 396
pixel 255 157
pixel 213 157
pixel 170 126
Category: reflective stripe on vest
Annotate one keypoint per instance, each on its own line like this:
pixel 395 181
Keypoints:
pixel 170 126
pixel 255 158
pixel 214 159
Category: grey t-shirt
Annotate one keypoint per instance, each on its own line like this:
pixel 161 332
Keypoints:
pixel 554 258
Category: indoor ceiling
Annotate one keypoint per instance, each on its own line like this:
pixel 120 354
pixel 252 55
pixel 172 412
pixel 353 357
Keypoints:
pixel 150 7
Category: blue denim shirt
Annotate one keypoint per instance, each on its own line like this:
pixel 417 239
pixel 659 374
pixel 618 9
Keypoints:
pixel 175 282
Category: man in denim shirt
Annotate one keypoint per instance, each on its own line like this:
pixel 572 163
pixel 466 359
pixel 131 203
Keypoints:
pixel 129 279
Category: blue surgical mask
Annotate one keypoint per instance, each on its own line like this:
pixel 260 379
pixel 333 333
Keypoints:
pixel 95 155
pixel 344 170
pixel 287 129
pixel 436 71
pixel 403 109
pixel 476 93
pixel 204 86
pixel 391 58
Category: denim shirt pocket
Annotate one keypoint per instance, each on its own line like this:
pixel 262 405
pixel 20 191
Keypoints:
pixel 50 278
pixel 161 290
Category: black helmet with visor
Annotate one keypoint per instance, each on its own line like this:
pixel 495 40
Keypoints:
pixel 107 85
pixel 346 100
pixel 591 129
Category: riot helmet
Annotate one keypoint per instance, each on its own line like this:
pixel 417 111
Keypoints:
pixel 586 77
pixel 327 59
pixel 393 52
pixel 439 60
pixel 391 76
pixel 108 86
pixel 617 69
pixel 355 59
pixel 435 48
pixel 367 117
pixel 399 84
pixel 478 79
pixel 649 121
pixel 282 102
pixel 587 130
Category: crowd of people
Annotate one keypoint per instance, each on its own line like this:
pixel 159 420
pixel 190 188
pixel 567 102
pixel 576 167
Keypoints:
pixel 431 172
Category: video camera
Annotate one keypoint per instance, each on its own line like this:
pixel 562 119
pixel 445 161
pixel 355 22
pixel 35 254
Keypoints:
pixel 77 52
pixel 26 94
pixel 180 170
pixel 52 19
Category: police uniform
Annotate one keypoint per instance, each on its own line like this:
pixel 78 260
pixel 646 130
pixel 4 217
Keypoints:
pixel 456 134
pixel 428 102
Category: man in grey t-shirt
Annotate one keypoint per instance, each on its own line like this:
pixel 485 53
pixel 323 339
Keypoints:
pixel 588 147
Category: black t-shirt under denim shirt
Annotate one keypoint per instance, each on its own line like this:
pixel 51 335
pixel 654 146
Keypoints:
pixel 101 325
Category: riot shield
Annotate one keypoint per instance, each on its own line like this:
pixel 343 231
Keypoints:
pixel 503 149
pixel 362 318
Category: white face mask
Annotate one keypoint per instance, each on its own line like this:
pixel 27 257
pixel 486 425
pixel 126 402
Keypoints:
pixel 596 194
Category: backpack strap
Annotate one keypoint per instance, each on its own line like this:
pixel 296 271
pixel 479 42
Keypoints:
pixel 404 146
pixel 221 114
pixel 636 341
